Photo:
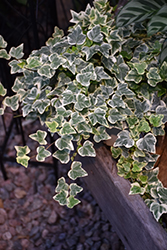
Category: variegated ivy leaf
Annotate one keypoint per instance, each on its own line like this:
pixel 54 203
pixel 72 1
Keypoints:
pixel 52 126
pixel 153 76
pixel 90 51
pixel 67 129
pixel 123 89
pixel 76 171
pixel 138 166
pixel 114 36
pixel 46 70
pixel 71 201
pixel 3 43
pixel 133 76
pixel 39 136
pixel 12 102
pixel 76 118
pixel 14 67
pixel 61 197
pixel 56 60
pixel 162 110
pixel 114 116
pixel 1 111
pixel 104 48
pixel 83 127
pixel 63 112
pixel 140 67
pixel 68 97
pixel 108 62
pixel 82 102
pixel 136 189
pixel 132 121
pixel 116 102
pixel 41 105
pixel 87 149
pixel 101 74
pixel 163 71
pixel 124 139
pixel 143 126
pixel 141 107
pixel 61 185
pixel 17 52
pixel 156 120
pixel 112 82
pixel 33 62
pixel 120 70
pixel 4 54
pixel 62 155
pixel 70 57
pixel 162 194
pixel 98 117
pixel 72 67
pixel 27 109
pixel 84 78
pixel 23 160
pixel 75 189
pixel 76 36
pixel 101 134
pixel 158 209
pixel 64 142
pixel 106 91
pixel 147 143
pixel 95 34
pixel 42 153
pixel 116 152
pixel 158 131
pixel 21 151
pixel 2 90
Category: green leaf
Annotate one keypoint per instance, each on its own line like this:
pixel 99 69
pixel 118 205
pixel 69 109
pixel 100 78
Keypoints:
pixel 158 131
pixel 64 142
pixel 158 209
pixel 143 179
pixel 87 149
pixel 76 171
pixel 120 70
pixel 163 71
pixel 46 70
pixel 52 126
pixel 116 102
pixel 153 76
pixel 98 117
pixel 39 136
pixel 3 43
pixel 136 189
pixel 138 166
pixel 133 76
pixel 56 60
pixel 61 197
pixel 84 78
pixel 62 155
pixel 114 116
pixel 76 118
pixel 162 110
pixel 90 51
pixel 23 160
pixel 123 89
pixel 41 105
pixel 95 34
pixel 132 121
pixel 82 102
pixel 22 151
pixel 147 143
pixel 124 140
pixel 162 194
pixel 3 91
pixel 116 152
pixel 156 120
pixel 61 185
pixel 101 135
pixel 140 67
pixel 33 62
pixel 76 36
pixel 4 54
pixel 101 74
pixel 144 126
pixel 67 129
pixel 42 153
pixel 84 127
pixel 17 52
pixel 14 67
pixel 12 102
pixel 68 97
pixel 141 107
pixel 71 201
pixel 75 189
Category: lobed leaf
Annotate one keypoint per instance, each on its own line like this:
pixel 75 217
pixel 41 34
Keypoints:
pixel 87 149
pixel 76 171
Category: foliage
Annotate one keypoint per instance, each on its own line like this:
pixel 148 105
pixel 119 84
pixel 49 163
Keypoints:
pixel 97 77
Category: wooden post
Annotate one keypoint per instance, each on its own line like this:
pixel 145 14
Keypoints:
pixel 128 214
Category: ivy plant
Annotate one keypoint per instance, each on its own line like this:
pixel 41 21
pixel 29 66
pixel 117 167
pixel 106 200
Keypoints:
pixel 101 75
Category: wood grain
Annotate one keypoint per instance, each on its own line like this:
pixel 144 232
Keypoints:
pixel 128 214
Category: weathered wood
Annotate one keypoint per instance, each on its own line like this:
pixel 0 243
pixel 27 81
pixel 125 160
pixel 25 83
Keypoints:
pixel 128 214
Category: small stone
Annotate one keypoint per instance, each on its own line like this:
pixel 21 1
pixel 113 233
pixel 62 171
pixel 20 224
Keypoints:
pixel 4 195
pixel 52 218
pixel 19 193
pixel 89 242
pixel 89 233
pixel 71 241
pixel 80 247
pixel 3 245
pixel 18 229
pixel 25 243
pixel 46 212
pixel 38 242
pixel 34 231
pixel 37 204
pixel 105 227
pixel 7 236
pixel 12 231
pixel 96 245
pixel 44 233
pixel 104 246
pixel 3 216
pixel 62 236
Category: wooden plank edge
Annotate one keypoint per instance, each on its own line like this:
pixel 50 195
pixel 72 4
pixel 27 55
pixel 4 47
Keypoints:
pixel 128 214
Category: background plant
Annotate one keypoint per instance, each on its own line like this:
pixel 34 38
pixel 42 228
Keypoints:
pixel 81 85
